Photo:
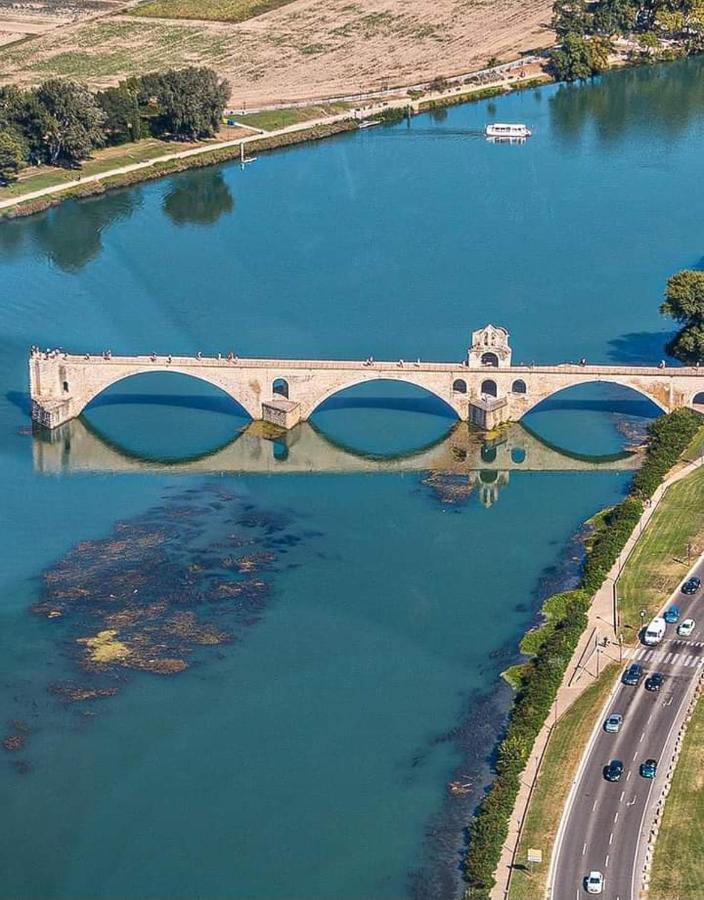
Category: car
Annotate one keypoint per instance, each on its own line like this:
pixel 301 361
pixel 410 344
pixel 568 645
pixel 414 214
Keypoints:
pixel 684 629
pixel 594 883
pixel 654 681
pixel 691 585
pixel 613 724
pixel 633 674
pixel 672 615
pixel 649 768
pixel 614 770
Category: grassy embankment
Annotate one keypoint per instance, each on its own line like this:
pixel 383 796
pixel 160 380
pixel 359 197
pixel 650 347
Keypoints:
pixel 559 766
pixel 660 560
pixel 273 119
pixel 651 574
pixel 678 868
pixel 213 10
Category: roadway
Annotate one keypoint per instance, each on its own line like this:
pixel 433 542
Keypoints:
pixel 605 825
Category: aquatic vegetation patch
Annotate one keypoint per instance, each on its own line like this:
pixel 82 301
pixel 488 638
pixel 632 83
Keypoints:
pixel 192 574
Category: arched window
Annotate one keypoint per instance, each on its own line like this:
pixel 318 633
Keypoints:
pixel 65 387
pixel 518 455
pixel 489 387
pixel 280 451
pixel 488 453
pixel 698 399
pixel 488 476
pixel 518 386
pixel 279 387
pixel 459 386
pixel 490 359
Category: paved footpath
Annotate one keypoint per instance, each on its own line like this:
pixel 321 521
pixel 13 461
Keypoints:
pixel 365 112
pixel 588 656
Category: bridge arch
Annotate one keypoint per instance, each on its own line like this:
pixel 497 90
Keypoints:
pixel 108 378
pixel 540 396
pixel 452 399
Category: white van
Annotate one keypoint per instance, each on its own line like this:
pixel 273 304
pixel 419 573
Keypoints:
pixel 655 632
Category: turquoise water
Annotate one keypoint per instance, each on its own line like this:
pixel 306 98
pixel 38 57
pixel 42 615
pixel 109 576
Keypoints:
pixel 307 754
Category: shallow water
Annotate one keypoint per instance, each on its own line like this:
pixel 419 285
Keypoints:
pixel 309 754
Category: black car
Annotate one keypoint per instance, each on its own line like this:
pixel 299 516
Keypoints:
pixel 633 674
pixel 691 585
pixel 654 682
pixel 614 770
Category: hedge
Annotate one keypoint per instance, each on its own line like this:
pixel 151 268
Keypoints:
pixel 541 677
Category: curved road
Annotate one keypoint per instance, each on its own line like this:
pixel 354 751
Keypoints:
pixel 605 825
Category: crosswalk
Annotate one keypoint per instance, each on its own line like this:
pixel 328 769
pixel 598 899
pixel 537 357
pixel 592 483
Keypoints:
pixel 670 657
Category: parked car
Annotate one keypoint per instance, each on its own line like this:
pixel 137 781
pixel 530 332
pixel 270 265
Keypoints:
pixel 614 770
pixel 691 585
pixel 654 681
pixel 649 768
pixel 594 883
pixel 613 723
pixel 672 615
pixel 684 629
pixel 633 674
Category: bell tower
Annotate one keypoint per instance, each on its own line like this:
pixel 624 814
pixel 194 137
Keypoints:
pixel 490 348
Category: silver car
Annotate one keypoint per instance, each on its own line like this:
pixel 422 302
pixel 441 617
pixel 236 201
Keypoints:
pixel 613 723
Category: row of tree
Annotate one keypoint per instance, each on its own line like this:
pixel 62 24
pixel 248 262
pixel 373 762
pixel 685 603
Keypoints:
pixel 541 677
pixel 585 30
pixel 61 122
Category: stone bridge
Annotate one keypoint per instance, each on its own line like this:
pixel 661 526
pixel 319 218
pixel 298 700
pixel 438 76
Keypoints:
pixel 484 388
pixel 75 447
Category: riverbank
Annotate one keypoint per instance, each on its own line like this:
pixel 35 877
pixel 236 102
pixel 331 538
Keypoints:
pixel 550 682
pixel 162 165
pixel 589 679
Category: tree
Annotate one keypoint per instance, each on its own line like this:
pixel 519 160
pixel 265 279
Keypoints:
pixel 74 121
pixel 578 58
pixel 22 112
pixel 615 17
pixel 570 17
pixel 684 302
pixel 12 155
pixel 184 103
pixel 123 120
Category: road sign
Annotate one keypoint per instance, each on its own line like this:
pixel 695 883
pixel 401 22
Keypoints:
pixel 535 856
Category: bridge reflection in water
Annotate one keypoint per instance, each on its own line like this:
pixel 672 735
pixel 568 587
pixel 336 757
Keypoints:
pixel 76 447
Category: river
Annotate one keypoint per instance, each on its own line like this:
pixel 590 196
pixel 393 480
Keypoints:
pixel 236 685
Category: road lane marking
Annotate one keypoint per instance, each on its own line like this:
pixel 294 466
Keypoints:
pixel 650 717
pixel 606 863
pixel 594 807
pixel 641 738
pixel 634 756
pixel 628 774
pixel 616 818
pixel 584 849
pixel 623 794
pixel 611 838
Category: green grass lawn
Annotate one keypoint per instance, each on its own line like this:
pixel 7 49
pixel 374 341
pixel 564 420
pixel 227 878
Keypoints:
pixel 37 178
pixel 271 120
pixel 678 868
pixel 215 10
pixel 660 558
pixel 564 751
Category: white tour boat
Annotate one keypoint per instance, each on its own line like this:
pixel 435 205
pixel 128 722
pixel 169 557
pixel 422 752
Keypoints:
pixel 502 130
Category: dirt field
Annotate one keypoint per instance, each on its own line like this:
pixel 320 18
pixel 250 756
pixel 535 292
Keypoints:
pixel 22 18
pixel 305 49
